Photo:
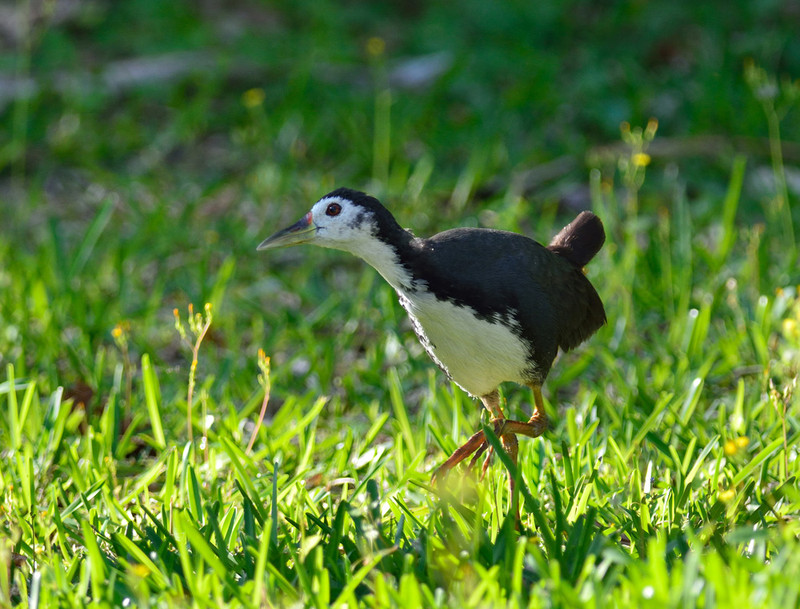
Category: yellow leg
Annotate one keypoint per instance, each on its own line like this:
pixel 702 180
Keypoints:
pixel 539 418
pixel 506 430
pixel 491 401
pixel 511 446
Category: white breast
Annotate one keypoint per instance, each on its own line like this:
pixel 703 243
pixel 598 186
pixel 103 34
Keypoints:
pixel 476 354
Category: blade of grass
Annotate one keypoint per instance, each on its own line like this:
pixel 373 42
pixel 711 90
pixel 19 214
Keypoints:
pixel 649 423
pixel 347 597
pixel 764 454
pixel 91 237
pixel 13 409
pixel 531 504
pixel 195 500
pixel 97 564
pixel 152 395
pixel 261 565
pixel 309 416
pixel 154 573
pixel 148 477
pixel 400 411
pixel 209 555
pixel 729 207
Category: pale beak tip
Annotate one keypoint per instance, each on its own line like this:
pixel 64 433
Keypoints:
pixel 299 232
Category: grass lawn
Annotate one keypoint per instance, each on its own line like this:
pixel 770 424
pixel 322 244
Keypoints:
pixel 148 147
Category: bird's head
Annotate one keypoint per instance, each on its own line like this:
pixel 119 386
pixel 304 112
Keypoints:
pixel 343 219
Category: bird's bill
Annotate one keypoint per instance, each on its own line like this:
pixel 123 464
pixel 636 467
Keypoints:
pixel 301 231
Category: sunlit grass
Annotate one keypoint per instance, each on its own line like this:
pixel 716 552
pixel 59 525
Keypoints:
pixel 671 472
pixel 281 455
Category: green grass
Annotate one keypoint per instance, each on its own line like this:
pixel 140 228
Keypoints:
pixel 126 471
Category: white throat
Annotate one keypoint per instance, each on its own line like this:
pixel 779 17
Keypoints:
pixel 383 259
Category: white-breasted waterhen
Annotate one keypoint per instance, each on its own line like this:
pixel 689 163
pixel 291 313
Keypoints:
pixel 488 306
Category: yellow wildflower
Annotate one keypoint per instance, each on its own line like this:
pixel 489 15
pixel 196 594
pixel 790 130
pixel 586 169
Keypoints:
pixel 727 495
pixel 253 98
pixel 732 447
pixel 376 46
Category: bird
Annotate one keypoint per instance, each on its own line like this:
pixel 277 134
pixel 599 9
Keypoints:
pixel 488 306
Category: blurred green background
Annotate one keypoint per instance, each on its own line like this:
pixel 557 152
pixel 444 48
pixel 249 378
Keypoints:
pixel 148 146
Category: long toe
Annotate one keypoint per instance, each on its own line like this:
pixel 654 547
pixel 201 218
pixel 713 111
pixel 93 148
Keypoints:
pixel 534 428
pixel 465 450
pixel 485 465
pixel 483 448
pixel 477 445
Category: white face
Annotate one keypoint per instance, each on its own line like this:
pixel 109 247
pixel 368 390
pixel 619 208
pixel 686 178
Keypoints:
pixel 336 222
pixel 342 225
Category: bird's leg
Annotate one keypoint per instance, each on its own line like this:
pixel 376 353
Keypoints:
pixel 511 446
pixel 462 452
pixel 537 424
pixel 477 442
pixel 508 440
pixel 492 403
pixel 478 453
pixel 506 430
pixel 486 461
pixel 539 418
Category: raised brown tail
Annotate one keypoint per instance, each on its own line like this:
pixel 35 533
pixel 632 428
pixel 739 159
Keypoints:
pixel 579 240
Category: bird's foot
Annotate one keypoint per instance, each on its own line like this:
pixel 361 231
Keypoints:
pixel 476 445
pixel 533 428
pixel 485 448
pixel 509 442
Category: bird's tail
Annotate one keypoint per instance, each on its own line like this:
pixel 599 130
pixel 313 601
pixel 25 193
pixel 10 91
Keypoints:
pixel 579 240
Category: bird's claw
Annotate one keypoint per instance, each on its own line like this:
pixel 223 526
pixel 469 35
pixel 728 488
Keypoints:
pixel 476 446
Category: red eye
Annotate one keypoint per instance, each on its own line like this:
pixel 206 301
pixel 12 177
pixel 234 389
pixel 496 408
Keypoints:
pixel 333 209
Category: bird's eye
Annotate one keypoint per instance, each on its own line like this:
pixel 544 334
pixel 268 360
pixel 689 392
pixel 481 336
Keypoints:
pixel 334 209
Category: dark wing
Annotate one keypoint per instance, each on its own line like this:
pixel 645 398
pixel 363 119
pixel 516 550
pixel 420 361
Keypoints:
pixel 507 274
